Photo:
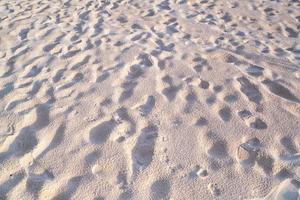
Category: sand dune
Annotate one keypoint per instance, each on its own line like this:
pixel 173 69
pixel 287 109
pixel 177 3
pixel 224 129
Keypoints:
pixel 159 99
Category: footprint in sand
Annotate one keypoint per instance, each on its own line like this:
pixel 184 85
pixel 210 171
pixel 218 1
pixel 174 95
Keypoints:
pixel 160 189
pixel 143 151
pixel 250 90
pixel 170 92
pixel 279 90
pixel 101 133
pixel 191 99
pixel 251 121
pixel 201 122
pixel 218 149
pixel 146 108
pixel 204 84
pixel 130 82
pixel 247 152
pixel 231 98
pixel 225 114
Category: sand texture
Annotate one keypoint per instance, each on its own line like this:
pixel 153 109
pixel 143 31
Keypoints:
pixel 149 99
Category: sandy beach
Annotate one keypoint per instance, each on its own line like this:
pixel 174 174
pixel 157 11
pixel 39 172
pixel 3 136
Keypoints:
pixel 150 99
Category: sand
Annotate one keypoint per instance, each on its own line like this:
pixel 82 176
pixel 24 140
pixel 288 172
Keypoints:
pixel 158 99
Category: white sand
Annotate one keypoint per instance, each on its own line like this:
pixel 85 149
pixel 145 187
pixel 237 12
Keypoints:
pixel 149 99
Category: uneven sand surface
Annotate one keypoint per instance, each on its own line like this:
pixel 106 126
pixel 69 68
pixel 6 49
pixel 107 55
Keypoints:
pixel 149 99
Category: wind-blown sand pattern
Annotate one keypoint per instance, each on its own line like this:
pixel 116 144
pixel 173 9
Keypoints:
pixel 158 99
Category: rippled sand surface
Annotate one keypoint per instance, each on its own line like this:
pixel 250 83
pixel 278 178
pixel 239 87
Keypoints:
pixel 158 99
